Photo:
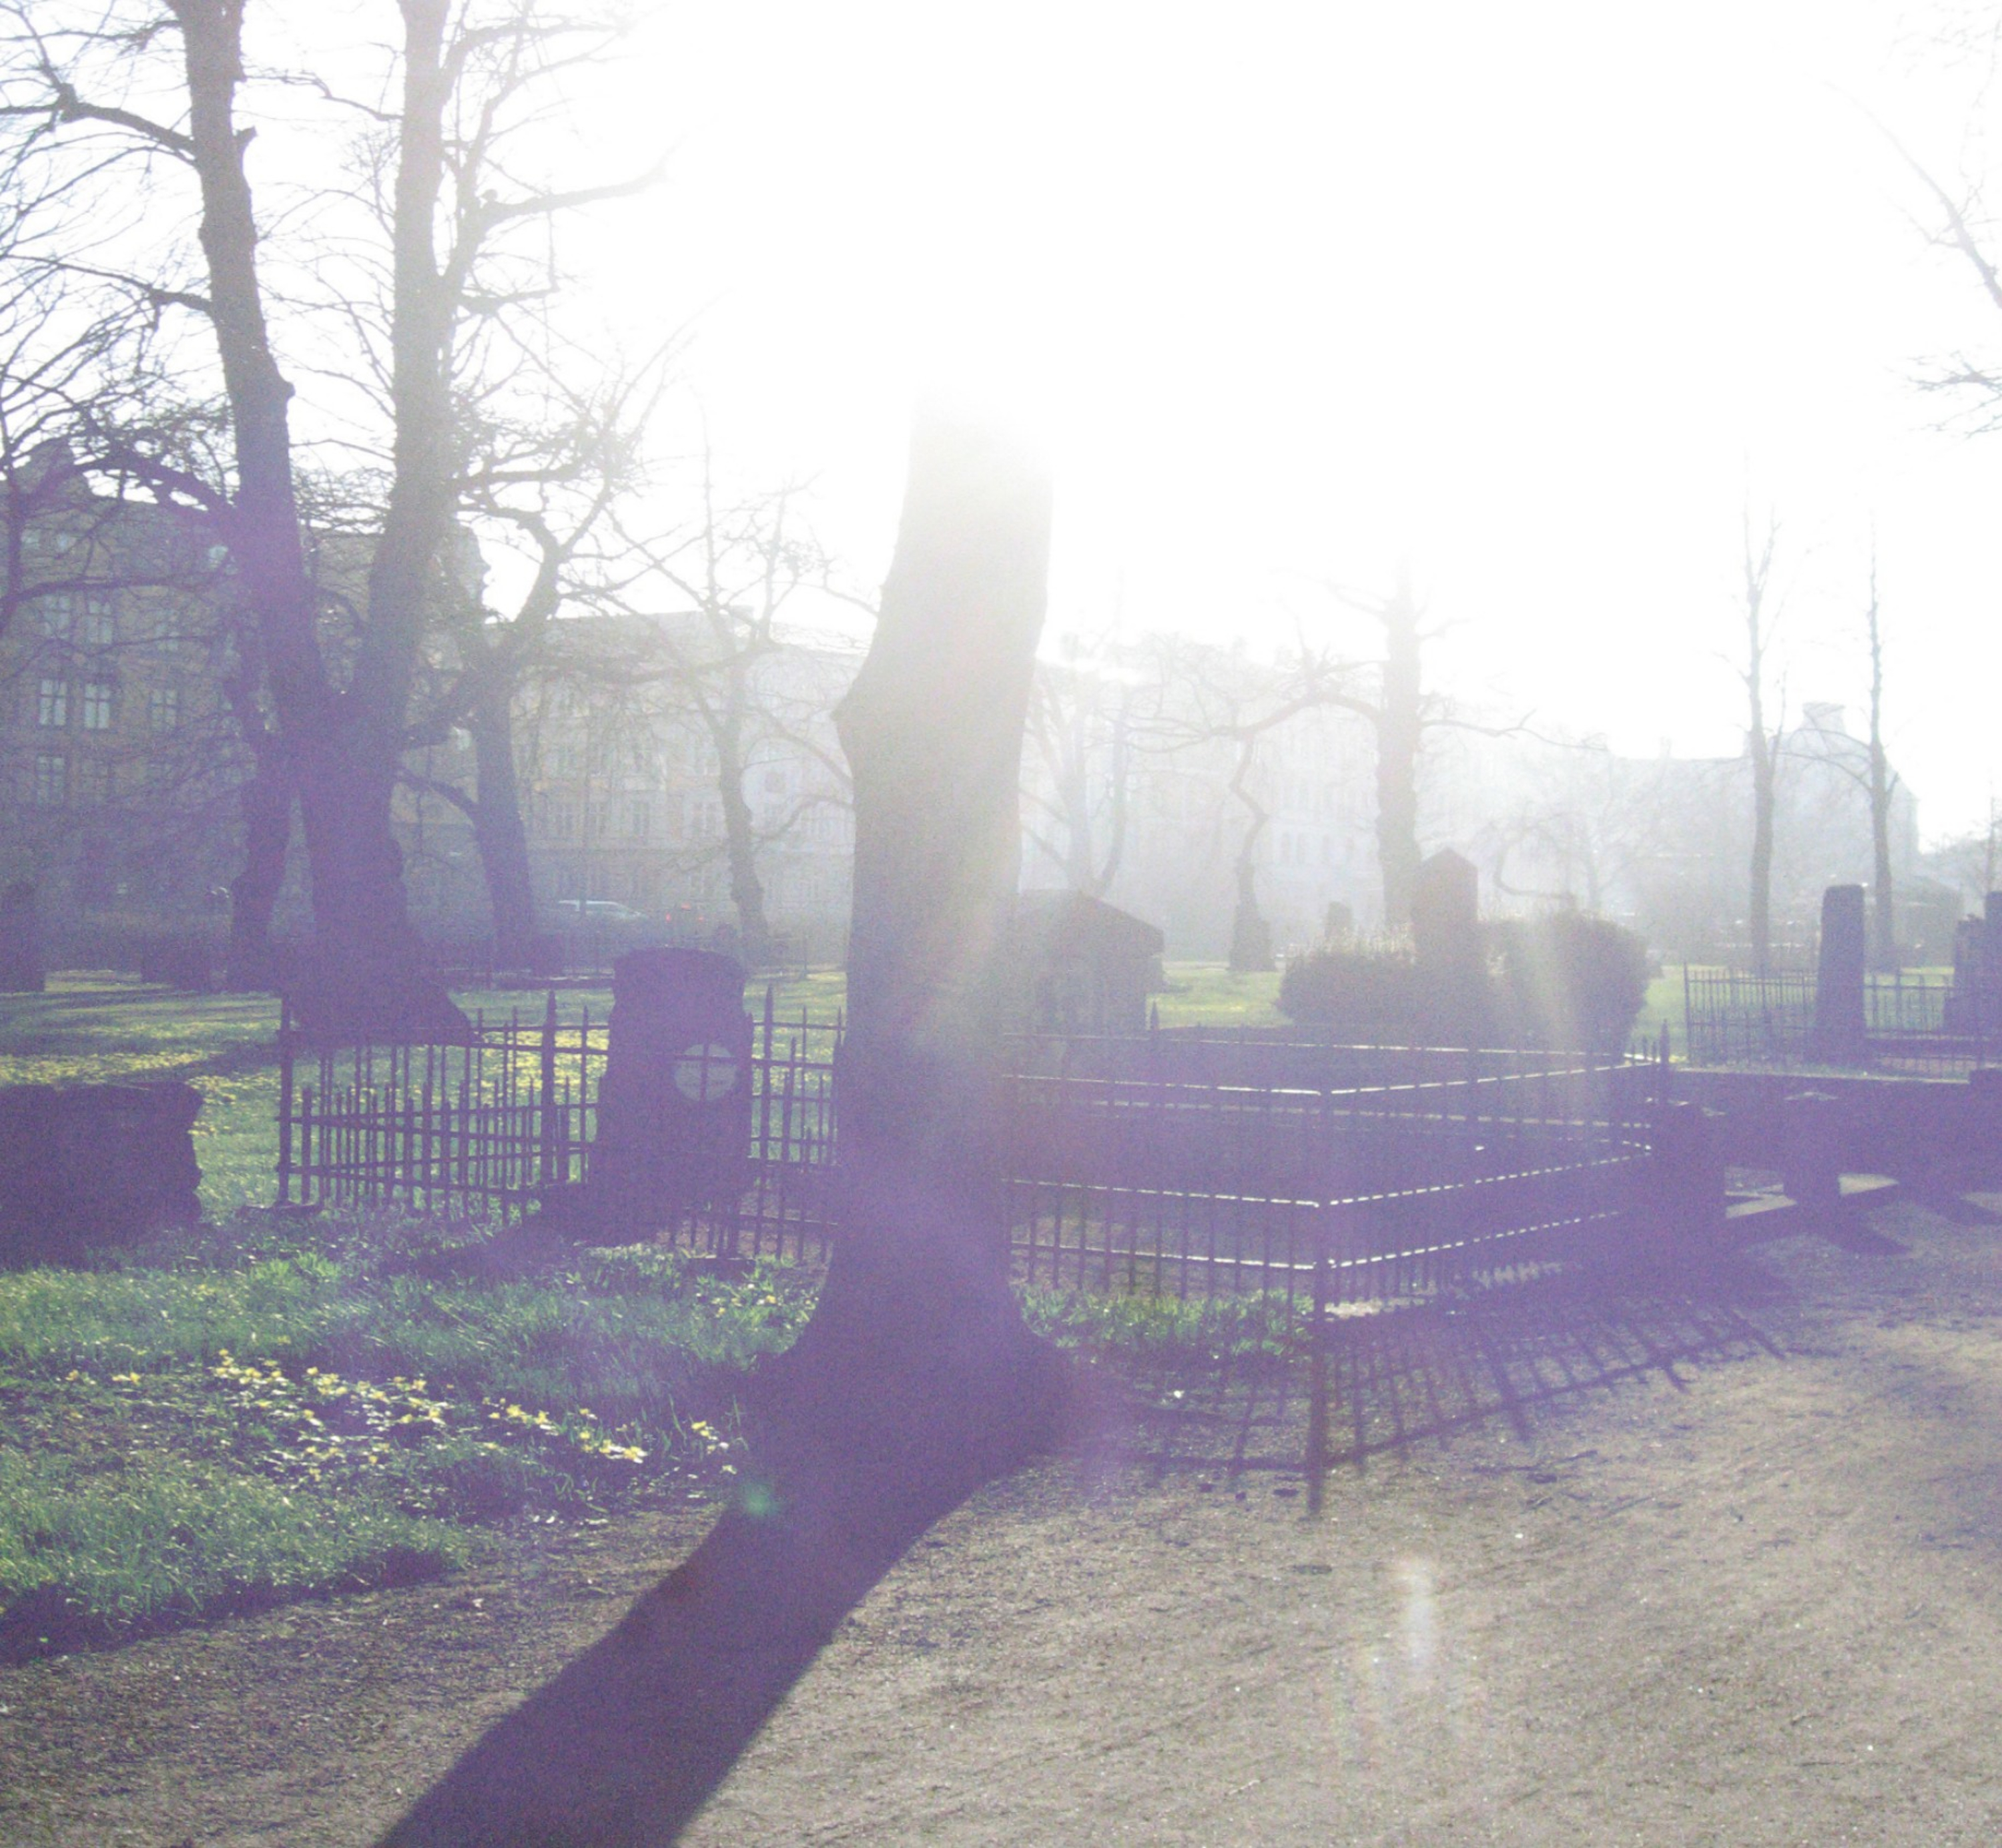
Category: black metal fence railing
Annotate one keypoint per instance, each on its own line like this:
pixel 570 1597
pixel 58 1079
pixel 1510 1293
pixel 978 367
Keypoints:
pixel 1919 1023
pixel 496 1124
pixel 1234 1167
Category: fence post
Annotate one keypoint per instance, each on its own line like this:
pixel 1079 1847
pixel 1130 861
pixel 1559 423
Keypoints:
pixel 1683 1182
pixel 1317 1369
pixel 284 1101
pixel 1811 1137
pixel 548 1176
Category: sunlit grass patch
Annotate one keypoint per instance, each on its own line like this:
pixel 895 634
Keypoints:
pixel 1168 1328
pixel 1209 994
pixel 244 1417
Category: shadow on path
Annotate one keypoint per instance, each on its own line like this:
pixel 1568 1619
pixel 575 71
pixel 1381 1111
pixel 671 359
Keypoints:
pixel 1395 1378
pixel 628 1742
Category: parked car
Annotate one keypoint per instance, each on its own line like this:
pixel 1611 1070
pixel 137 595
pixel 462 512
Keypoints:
pixel 596 910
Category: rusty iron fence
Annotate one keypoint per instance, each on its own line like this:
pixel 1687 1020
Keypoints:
pixel 1188 1165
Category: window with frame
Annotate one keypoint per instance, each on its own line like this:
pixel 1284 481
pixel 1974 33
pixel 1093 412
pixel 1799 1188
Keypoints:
pixel 52 617
pixel 99 625
pixel 52 701
pixel 51 780
pixel 97 702
pixel 163 708
pixel 640 818
pixel 97 782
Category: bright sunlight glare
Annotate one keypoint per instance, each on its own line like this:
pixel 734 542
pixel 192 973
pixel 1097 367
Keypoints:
pixel 1536 298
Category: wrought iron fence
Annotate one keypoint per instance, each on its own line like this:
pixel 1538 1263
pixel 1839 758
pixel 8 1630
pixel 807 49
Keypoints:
pixel 1435 1170
pixel 1221 1166
pixel 498 1122
pixel 1916 1023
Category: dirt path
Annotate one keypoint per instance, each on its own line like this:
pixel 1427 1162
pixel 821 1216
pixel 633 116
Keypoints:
pixel 1732 1575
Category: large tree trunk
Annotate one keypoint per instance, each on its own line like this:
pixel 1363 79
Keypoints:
pixel 917 1301
pixel 1400 737
pixel 368 979
pixel 254 893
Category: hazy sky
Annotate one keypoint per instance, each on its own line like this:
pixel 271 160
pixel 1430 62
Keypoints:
pixel 1532 296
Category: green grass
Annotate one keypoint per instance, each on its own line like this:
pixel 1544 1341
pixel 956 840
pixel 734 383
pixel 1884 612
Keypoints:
pixel 268 1406
pixel 1209 995
pixel 279 1408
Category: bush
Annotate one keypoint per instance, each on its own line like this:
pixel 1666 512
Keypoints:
pixel 1379 997
pixel 1569 980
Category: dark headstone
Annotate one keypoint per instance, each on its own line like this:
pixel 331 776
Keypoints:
pixel 83 1166
pixel 1445 912
pixel 1452 960
pixel 1839 1021
pixel 21 970
pixel 674 1106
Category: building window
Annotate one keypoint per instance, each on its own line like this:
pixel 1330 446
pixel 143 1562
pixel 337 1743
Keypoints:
pixel 163 708
pixel 640 818
pixel 52 701
pixel 99 627
pixel 51 779
pixel 97 782
pixel 52 617
pixel 562 820
pixel 97 705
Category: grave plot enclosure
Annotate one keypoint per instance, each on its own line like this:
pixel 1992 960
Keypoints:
pixel 1177 1165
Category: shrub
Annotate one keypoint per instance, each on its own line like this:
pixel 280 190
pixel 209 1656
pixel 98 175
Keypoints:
pixel 1569 980
pixel 1377 997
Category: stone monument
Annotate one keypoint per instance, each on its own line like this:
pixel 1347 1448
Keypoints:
pixel 1839 1032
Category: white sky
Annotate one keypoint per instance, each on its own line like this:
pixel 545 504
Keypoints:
pixel 1529 295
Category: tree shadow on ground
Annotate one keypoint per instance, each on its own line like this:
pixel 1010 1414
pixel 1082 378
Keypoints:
pixel 630 1740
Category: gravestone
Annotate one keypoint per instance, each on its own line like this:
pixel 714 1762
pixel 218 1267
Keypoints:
pixel 674 1106
pixel 1445 935
pixel 1839 1032
pixel 87 1165
pixel 20 941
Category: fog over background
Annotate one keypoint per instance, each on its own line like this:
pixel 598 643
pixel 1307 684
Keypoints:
pixel 1534 297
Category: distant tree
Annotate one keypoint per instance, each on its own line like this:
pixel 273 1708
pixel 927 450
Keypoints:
pixel 1762 741
pixel 726 577
pixel 1225 698
pixel 1084 711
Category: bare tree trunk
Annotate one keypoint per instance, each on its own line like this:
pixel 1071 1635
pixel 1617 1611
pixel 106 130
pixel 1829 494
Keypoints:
pixel 497 828
pixel 740 838
pixel 917 1298
pixel 1399 738
pixel 1251 934
pixel 1884 908
pixel 254 893
pixel 1759 911
pixel 343 749
pixel 1763 746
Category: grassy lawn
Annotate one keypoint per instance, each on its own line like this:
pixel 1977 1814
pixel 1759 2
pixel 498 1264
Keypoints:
pixel 238 1415
pixel 270 1407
